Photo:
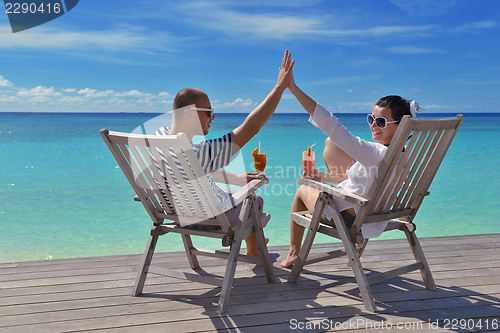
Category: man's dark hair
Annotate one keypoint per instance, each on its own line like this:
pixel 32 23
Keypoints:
pixel 186 97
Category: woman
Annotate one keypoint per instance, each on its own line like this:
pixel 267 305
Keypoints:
pixel 351 161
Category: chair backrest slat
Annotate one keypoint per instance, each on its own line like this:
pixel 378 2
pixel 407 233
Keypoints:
pixel 197 175
pixel 437 158
pixel 184 186
pixel 418 153
pixel 159 173
pixel 404 178
pixel 148 160
pixel 405 170
pixel 118 147
pixel 149 176
pixel 188 185
pixel 418 169
pixel 138 170
pixel 397 178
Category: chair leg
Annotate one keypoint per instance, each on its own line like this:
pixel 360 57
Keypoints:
pixel 418 253
pixel 261 242
pixel 360 248
pixel 308 241
pixel 188 245
pixel 359 274
pixel 146 261
pixel 227 283
pixel 352 254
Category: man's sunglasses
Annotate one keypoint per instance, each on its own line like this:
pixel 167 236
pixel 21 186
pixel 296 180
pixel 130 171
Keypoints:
pixel 381 122
pixel 211 111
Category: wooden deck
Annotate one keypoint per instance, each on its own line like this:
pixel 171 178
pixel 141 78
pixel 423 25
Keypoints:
pixel 93 294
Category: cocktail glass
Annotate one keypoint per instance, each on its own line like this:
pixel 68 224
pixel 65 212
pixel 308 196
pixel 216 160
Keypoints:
pixel 308 162
pixel 259 161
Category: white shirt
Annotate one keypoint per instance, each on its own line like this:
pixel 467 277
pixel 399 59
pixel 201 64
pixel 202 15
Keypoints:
pixel 360 176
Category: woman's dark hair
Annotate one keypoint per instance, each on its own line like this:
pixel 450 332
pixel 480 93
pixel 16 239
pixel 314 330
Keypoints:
pixel 398 105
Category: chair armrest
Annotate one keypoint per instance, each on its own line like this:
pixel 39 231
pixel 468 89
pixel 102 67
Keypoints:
pixel 337 192
pixel 242 194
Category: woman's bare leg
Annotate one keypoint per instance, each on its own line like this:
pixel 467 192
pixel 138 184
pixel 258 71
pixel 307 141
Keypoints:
pixel 305 199
pixel 336 160
pixel 337 163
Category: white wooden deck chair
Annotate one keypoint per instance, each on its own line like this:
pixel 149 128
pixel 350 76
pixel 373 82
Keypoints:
pixel 139 158
pixel 396 194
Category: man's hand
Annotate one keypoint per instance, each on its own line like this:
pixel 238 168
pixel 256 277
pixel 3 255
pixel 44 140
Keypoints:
pixel 249 176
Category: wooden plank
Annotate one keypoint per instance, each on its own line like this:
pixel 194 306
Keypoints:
pixel 239 316
pixel 466 270
pixel 458 257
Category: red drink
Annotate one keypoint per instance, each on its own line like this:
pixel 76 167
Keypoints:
pixel 308 161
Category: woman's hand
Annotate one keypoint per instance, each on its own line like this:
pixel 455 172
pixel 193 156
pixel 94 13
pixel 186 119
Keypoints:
pixel 285 72
pixel 315 174
pixel 291 83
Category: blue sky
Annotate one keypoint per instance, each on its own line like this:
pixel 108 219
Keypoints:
pixel 133 56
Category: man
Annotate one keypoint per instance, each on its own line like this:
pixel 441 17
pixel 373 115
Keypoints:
pixel 193 115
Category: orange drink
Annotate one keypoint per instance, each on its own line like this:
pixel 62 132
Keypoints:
pixel 308 161
pixel 259 161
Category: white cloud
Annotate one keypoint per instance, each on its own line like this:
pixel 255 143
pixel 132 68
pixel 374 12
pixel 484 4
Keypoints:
pixel 120 39
pixel 9 99
pixel 134 93
pixel 378 31
pixel 165 101
pixel 413 50
pixel 39 99
pixel 38 91
pixel 71 99
pixel 344 80
pixel 234 21
pixel 239 102
pixel 356 106
pixel 424 7
pixel 101 94
pixel 4 82
pixel 434 106
pixel 87 91
pixel 287 95
pixel 476 27
pixel 88 100
pixel 93 93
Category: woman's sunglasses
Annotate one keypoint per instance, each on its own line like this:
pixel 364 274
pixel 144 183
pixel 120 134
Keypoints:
pixel 381 122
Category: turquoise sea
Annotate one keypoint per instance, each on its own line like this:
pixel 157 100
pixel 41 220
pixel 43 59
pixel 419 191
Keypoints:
pixel 62 194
